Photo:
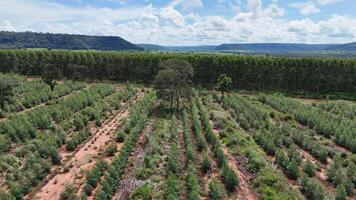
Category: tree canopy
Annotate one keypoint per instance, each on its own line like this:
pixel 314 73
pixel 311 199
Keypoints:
pixel 50 74
pixel 173 80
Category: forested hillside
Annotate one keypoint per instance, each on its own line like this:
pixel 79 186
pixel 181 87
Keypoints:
pixel 12 40
pixel 248 72
pixel 344 47
pixel 274 47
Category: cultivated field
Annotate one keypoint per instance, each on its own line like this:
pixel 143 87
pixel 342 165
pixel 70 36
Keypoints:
pixel 119 141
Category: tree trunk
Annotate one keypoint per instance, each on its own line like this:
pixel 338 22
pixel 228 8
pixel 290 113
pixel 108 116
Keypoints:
pixel 222 96
pixel 178 97
pixel 171 99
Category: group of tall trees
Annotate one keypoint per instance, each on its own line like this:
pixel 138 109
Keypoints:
pixel 248 72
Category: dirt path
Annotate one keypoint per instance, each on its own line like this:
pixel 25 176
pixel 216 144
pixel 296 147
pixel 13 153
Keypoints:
pixel 244 191
pixel 83 159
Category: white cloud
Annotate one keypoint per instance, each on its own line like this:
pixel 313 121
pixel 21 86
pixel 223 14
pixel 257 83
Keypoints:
pixel 306 8
pixel 254 5
pixel 170 26
pixel 6 26
pixel 173 16
pixel 187 5
pixel 327 2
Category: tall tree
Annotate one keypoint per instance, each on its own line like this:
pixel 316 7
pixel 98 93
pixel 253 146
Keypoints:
pixel 224 84
pixel 173 80
pixel 50 75
pixel 6 91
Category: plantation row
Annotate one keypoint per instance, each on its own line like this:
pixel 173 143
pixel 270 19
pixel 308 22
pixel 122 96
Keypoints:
pixel 325 123
pixel 228 176
pixel 274 140
pixel 339 108
pixel 26 165
pixel 173 164
pixel 22 127
pixel 192 182
pixel 133 128
pixel 268 182
pixel 248 72
pixel 270 138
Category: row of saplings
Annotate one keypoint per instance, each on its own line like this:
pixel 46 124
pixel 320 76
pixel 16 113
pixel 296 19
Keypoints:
pixel 272 139
pixel 228 176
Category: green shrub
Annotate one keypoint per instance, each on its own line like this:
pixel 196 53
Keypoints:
pixel 309 168
pixel 143 192
pixel 111 150
pixel 293 170
pixel 340 193
pixel 216 191
pixel 229 178
pixel 69 193
pixel 206 164
pixel 120 136
pixel 312 190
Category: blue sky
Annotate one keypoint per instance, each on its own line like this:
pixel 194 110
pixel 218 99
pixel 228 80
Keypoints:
pixel 188 22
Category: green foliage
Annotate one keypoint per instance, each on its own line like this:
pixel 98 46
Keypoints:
pixel 120 136
pixel 76 139
pixel 229 178
pixel 340 193
pixel 216 191
pixel 111 150
pixel 143 192
pixel 327 75
pixel 6 91
pixel 193 186
pixel 173 80
pixel 69 193
pixel 172 187
pixel 339 108
pixel 206 164
pixel 50 74
pixel 281 159
pixel 312 189
pixel 293 170
pixel 309 168
pixel 94 175
pixel 224 84
pixel 139 115
pixel 322 122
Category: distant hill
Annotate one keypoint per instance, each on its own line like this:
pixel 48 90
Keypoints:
pixel 276 47
pixel 191 48
pixel 177 48
pixel 343 47
pixel 151 47
pixel 13 40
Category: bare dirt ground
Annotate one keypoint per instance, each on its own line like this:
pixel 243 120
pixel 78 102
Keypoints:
pixel 81 160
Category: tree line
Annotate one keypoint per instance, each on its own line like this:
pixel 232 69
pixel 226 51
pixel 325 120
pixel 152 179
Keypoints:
pixel 247 72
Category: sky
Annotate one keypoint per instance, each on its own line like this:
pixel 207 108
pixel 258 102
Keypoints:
pixel 188 22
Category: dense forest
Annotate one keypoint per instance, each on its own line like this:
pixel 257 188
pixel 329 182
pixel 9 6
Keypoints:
pixel 12 40
pixel 248 72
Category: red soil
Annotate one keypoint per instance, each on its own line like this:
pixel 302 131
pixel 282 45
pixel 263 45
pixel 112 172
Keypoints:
pixel 82 160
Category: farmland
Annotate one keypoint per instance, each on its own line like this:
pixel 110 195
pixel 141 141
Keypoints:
pixel 169 135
